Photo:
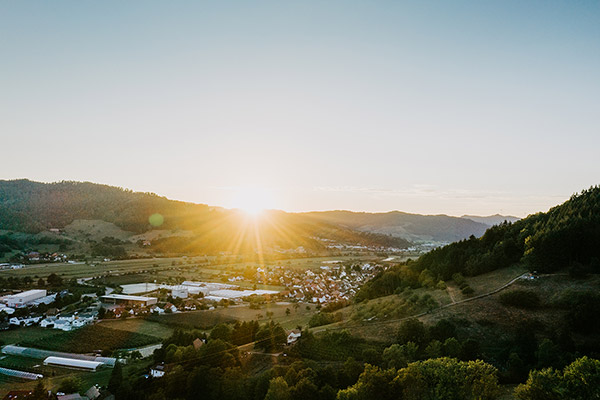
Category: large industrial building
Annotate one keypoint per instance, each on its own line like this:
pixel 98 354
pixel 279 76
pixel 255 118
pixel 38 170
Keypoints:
pixel 72 363
pixel 24 298
pixel 181 292
pixel 139 301
pixel 43 354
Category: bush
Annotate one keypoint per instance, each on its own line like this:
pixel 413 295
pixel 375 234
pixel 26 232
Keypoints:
pixel 324 318
pixel 467 290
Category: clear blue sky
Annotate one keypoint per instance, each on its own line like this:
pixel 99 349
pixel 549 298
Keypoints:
pixel 427 106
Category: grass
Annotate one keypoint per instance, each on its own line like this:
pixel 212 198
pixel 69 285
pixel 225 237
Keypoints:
pixel 493 280
pixel 190 267
pixel 469 311
pixel 207 319
pixel 138 325
pixel 190 320
pixel 296 317
pixel 19 363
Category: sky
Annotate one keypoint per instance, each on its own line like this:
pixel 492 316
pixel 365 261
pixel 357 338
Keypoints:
pixel 433 107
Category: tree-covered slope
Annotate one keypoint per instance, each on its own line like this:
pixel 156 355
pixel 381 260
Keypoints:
pixel 567 235
pixel 28 206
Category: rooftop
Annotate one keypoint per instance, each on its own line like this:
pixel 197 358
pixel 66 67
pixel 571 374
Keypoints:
pixel 127 297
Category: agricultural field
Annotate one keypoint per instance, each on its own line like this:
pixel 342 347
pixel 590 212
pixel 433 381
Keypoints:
pixel 91 338
pixel 33 333
pixel 165 270
pixel 206 319
pixel 138 325
pixel 297 316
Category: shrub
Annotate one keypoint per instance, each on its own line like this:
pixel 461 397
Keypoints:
pixel 467 290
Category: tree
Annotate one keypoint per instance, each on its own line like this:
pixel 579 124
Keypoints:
pixel 304 389
pixel 398 356
pixel 373 383
pixel 452 348
pixel 580 380
pixel 548 354
pixel 221 331
pixel 442 330
pixel 70 385
pixel 54 280
pixel 412 330
pixel 448 379
pixel 278 389
pixel 287 311
pixel 40 392
pixel 434 349
pixel 116 378
pixel 270 336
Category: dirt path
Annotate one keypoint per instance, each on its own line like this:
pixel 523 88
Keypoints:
pixel 339 325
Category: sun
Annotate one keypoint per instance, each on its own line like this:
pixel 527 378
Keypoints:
pixel 252 200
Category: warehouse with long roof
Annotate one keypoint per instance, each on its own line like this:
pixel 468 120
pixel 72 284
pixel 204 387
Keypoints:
pixel 141 301
pixel 73 363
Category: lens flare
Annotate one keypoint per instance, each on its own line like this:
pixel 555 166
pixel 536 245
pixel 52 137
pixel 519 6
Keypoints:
pixel 252 200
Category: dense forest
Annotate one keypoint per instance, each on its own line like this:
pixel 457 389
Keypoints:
pixel 34 207
pixel 432 362
pixel 566 237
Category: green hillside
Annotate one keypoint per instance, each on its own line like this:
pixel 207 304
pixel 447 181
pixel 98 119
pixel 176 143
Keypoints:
pixel 567 236
pixel 33 207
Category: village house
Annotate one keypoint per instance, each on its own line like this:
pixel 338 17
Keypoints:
pixel 158 371
pixel 293 336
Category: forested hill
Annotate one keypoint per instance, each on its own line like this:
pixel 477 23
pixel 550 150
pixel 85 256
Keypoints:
pixel 28 206
pixel 567 235
pixel 32 207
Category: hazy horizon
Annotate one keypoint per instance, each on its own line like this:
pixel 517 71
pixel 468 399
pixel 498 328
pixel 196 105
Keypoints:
pixel 441 212
pixel 423 107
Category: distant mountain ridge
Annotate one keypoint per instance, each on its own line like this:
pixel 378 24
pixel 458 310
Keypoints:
pixel 28 206
pixel 492 220
pixel 412 227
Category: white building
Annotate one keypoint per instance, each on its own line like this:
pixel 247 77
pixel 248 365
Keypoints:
pixel 24 321
pixel 63 325
pixel 158 371
pixel 72 363
pixel 7 310
pixel 129 300
pixel 24 298
pixel 180 292
pixel 48 322
pixel 293 336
